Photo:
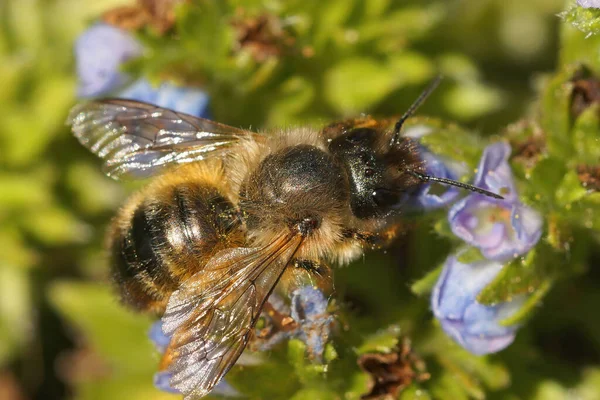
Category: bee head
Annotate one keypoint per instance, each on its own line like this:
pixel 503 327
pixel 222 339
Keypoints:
pixel 378 183
pixel 384 167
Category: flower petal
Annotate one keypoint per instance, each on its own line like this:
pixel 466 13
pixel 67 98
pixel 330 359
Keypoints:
pixel 187 100
pixel 100 51
pixel 474 326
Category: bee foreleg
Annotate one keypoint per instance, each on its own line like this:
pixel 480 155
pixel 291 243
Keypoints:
pixel 375 240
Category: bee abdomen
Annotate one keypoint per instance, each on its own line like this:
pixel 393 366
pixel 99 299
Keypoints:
pixel 167 237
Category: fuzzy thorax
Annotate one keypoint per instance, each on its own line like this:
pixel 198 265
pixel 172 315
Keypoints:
pixel 301 189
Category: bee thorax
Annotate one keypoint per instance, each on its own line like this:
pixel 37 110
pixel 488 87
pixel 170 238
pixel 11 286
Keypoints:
pixel 300 188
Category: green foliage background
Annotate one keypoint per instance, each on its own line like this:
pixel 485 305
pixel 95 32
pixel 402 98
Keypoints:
pixel 62 332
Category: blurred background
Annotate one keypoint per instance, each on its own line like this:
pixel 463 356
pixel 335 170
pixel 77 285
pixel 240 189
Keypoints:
pixel 62 332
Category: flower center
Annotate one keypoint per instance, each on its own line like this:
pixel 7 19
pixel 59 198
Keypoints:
pixel 488 217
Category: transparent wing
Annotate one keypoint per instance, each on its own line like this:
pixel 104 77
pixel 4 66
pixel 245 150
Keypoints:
pixel 137 140
pixel 211 316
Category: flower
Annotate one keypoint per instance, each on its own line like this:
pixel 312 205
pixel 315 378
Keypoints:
pixel 501 229
pixel 431 195
pixel 182 99
pixel 99 53
pixel 162 378
pixel 310 322
pixel 474 326
pixel 589 3
pixel 309 310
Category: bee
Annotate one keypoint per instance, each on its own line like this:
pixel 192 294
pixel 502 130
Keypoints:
pixel 230 212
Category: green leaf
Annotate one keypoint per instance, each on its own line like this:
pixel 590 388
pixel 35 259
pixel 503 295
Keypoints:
pixel 448 140
pixel 575 48
pixel 56 226
pixel 407 23
pixel 520 277
pixel 383 341
pixel 114 332
pixel 414 392
pixel 530 304
pixel 569 190
pixel 544 179
pixel 315 394
pixel 15 310
pixel 587 20
pixel 307 372
pixel 469 255
pixel 469 101
pixel 586 136
pixel 357 84
pixel 554 111
pixel 293 97
pixel 424 286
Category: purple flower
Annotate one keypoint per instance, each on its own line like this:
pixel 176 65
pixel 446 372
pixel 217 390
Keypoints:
pixel 183 99
pixel 432 195
pixel 162 378
pixel 474 326
pixel 99 52
pixel 501 229
pixel 589 3
pixel 309 311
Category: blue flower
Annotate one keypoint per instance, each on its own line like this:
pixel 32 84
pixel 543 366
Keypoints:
pixel 311 322
pixel 309 310
pixel 182 99
pixel 162 378
pixel 501 229
pixel 99 52
pixel 475 326
pixel 432 195
pixel 589 3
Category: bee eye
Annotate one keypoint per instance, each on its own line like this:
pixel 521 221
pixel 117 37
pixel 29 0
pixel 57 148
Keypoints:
pixel 385 197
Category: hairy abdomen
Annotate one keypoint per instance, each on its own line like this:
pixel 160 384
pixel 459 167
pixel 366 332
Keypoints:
pixel 165 235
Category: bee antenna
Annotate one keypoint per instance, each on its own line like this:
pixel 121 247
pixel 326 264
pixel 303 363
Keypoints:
pixel 420 100
pixel 428 178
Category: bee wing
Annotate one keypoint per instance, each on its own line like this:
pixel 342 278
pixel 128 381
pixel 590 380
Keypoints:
pixel 211 316
pixel 137 140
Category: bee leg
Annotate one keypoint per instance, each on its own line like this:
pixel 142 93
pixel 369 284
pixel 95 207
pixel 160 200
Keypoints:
pixel 305 272
pixel 311 266
pixel 376 240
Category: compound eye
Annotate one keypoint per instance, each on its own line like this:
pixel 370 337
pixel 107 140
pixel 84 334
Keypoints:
pixel 385 198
